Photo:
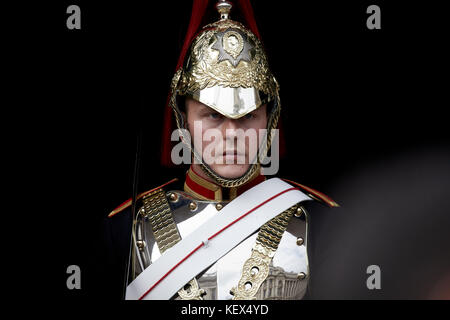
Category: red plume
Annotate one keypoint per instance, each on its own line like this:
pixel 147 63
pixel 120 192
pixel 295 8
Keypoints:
pixel 198 11
pixel 249 16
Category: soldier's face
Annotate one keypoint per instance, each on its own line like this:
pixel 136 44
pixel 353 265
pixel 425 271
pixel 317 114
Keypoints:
pixel 227 145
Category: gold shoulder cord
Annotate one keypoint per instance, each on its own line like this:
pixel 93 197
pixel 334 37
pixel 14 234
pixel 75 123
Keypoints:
pixel 256 268
pixel 166 234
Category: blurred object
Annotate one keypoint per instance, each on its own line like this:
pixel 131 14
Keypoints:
pixel 395 213
pixel 441 290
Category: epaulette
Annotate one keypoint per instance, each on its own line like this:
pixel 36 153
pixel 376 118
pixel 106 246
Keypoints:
pixel 127 203
pixel 316 195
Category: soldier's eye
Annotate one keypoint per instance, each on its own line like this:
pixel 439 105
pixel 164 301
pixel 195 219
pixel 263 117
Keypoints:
pixel 214 115
pixel 249 116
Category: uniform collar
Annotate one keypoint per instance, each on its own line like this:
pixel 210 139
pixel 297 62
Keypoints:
pixel 206 190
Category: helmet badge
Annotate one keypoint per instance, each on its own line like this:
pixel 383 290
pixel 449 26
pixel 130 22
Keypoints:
pixel 233 43
pixel 232 47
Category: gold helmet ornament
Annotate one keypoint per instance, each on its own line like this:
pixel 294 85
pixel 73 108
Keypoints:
pixel 226 69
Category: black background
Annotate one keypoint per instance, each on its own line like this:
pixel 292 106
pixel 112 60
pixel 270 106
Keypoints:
pixel 364 113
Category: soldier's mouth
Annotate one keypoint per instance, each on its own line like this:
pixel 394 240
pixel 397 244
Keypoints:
pixel 233 153
pixel 233 156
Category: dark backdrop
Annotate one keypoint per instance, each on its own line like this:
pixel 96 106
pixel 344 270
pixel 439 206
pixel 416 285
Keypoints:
pixel 363 113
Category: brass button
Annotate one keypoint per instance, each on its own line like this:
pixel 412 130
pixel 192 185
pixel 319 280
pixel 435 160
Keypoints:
pixel 219 206
pixel 298 213
pixel 254 271
pixel 140 244
pixel 192 206
pixel 301 276
pixel 173 197
pixel 299 241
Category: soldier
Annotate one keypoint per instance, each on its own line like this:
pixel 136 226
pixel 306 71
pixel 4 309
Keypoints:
pixel 232 232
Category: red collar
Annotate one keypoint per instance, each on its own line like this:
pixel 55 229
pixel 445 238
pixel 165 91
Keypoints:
pixel 206 190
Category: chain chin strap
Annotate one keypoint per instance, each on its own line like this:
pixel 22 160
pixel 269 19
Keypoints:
pixel 254 167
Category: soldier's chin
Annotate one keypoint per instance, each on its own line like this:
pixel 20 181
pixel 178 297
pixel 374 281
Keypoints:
pixel 230 171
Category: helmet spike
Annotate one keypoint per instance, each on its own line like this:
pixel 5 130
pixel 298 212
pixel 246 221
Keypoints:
pixel 224 8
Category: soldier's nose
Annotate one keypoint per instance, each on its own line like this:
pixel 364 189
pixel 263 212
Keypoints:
pixel 230 127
